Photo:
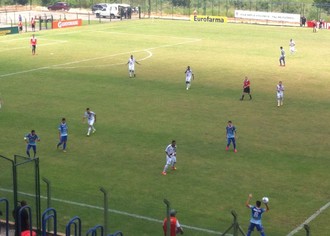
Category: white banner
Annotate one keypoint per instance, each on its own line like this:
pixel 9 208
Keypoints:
pixel 272 16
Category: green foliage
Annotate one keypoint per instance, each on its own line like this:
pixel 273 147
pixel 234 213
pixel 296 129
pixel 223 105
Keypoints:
pixel 324 4
pixel 22 2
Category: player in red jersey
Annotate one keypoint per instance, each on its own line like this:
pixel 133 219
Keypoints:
pixel 33 24
pixel 246 88
pixel 33 42
pixel 174 224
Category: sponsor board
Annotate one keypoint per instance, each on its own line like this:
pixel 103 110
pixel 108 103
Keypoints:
pixel 208 19
pixel 271 16
pixel 8 30
pixel 66 23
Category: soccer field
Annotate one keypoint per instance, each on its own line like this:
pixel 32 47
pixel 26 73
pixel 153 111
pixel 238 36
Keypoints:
pixel 282 152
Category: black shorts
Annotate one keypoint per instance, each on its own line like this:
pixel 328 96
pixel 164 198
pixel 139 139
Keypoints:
pixel 246 90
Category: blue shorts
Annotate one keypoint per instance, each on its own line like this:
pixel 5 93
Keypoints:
pixel 259 227
pixel 29 146
pixel 64 139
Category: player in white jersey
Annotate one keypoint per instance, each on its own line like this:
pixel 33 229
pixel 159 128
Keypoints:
pixel 91 119
pixel 1 101
pixel 189 76
pixel 282 57
pixel 292 45
pixel 280 93
pixel 131 66
pixel 170 151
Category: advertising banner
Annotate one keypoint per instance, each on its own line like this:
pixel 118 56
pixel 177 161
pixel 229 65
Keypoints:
pixel 271 16
pixel 208 19
pixel 66 23
pixel 8 30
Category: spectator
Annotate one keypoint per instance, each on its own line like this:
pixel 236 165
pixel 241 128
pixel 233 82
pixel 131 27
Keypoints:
pixel 175 227
pixel 33 24
pixel 303 21
pixel 24 218
pixel 20 26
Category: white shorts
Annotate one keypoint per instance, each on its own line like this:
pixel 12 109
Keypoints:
pixel 170 160
pixel 280 95
pixel 91 122
pixel 131 67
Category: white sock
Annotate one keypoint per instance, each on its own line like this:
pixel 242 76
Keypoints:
pixel 165 168
pixel 89 130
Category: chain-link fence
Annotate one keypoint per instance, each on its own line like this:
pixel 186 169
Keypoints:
pixel 158 8
pixel 227 8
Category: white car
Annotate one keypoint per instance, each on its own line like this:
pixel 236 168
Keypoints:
pixel 112 10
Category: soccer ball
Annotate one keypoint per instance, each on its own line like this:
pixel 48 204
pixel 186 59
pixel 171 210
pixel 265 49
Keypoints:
pixel 265 200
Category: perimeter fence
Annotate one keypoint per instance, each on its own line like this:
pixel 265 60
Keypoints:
pixel 174 8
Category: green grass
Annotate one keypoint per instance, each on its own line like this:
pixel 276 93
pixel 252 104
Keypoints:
pixel 282 152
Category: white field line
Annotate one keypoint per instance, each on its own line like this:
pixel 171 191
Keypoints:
pixel 124 53
pixel 312 217
pixel 96 58
pixel 39 45
pixel 104 65
pixel 118 212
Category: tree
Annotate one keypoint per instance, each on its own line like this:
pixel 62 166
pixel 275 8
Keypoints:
pixel 324 4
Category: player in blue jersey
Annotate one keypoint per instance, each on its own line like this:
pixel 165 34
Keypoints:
pixel 31 139
pixel 63 134
pixel 231 135
pixel 256 214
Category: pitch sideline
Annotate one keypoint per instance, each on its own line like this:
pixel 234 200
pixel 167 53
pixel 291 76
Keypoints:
pixel 119 212
pixel 312 217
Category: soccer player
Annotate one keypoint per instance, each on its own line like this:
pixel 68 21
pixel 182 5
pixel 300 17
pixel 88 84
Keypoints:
pixel 1 102
pixel 131 66
pixel 33 42
pixel 282 57
pixel 189 76
pixel 175 227
pixel 33 24
pixel 292 45
pixel 91 119
pixel 280 93
pixel 20 26
pixel 170 151
pixel 256 214
pixel 231 135
pixel 63 134
pixel 246 88
pixel 31 140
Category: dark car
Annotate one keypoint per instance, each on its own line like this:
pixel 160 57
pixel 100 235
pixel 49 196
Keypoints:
pixel 99 6
pixel 59 6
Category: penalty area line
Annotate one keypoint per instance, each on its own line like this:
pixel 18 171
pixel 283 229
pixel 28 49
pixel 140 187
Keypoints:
pixel 118 212
pixel 312 217
pixel 104 65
